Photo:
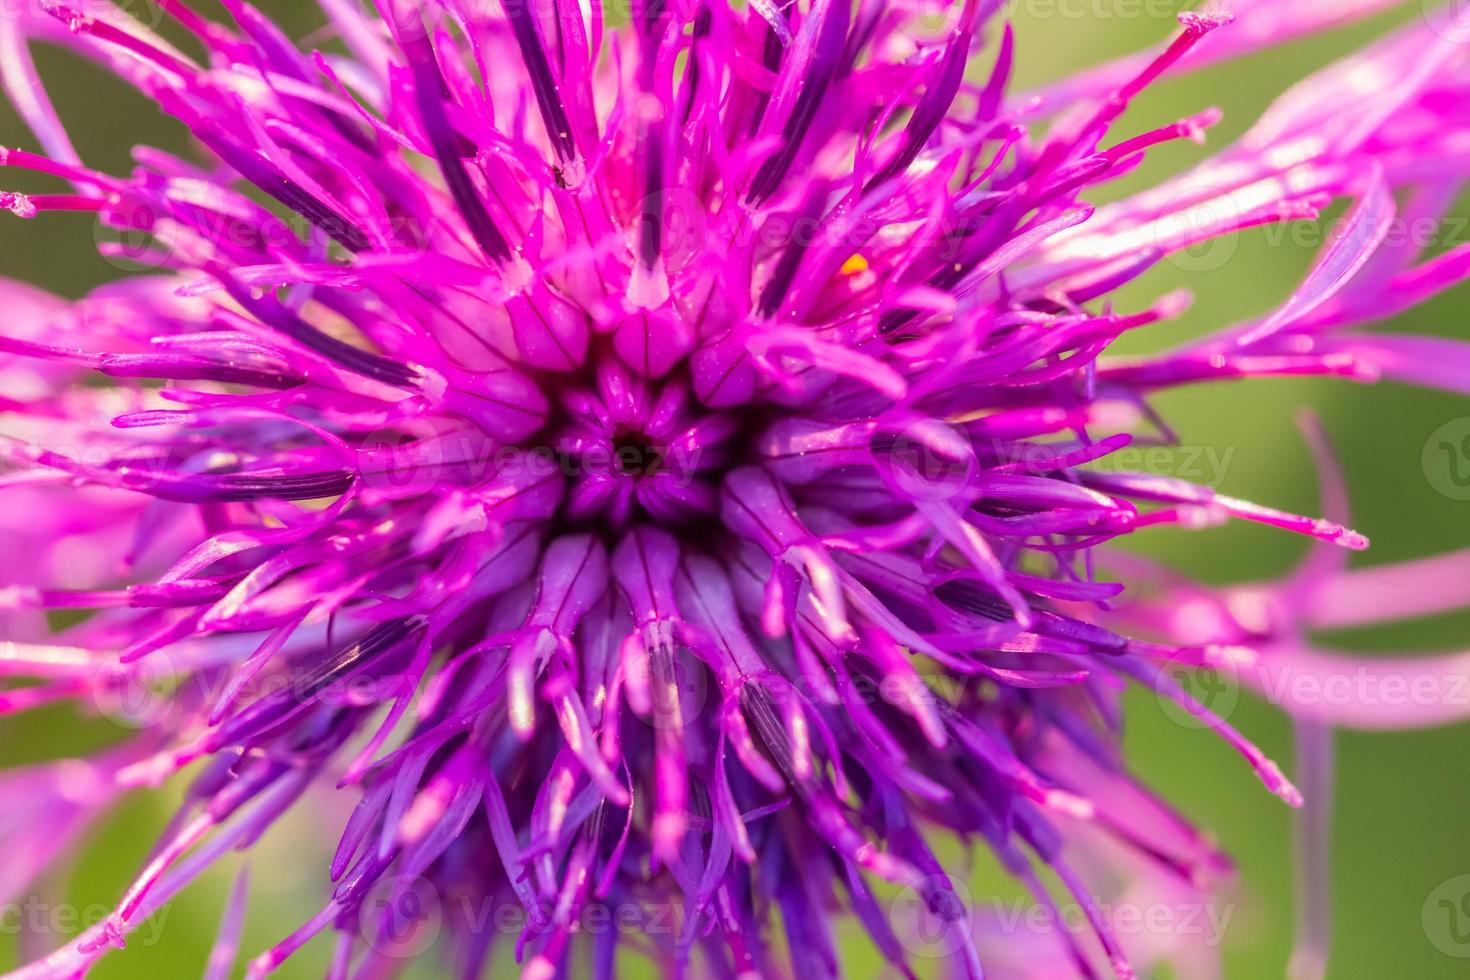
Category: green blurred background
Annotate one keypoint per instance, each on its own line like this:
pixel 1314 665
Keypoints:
pixel 1401 798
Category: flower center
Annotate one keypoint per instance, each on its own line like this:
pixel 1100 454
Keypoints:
pixel 635 454
pixel 629 446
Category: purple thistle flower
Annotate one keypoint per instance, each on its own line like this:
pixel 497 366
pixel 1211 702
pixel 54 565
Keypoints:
pixel 647 465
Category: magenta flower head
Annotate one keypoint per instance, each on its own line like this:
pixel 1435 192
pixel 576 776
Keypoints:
pixel 648 460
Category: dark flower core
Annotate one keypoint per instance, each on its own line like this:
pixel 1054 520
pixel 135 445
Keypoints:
pixel 665 466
